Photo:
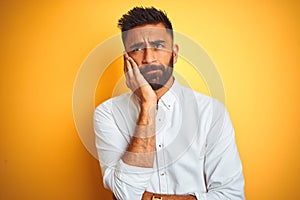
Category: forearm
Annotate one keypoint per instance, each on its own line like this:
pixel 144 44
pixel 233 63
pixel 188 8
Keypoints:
pixel 149 196
pixel 140 151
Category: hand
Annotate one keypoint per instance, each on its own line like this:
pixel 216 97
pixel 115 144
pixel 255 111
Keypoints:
pixel 137 83
pixel 149 195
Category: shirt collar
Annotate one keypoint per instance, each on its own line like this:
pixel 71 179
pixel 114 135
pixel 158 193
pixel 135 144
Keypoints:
pixel 169 98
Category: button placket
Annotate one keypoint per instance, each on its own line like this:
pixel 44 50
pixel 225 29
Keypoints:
pixel 162 113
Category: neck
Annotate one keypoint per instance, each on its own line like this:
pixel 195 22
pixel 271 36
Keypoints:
pixel 160 92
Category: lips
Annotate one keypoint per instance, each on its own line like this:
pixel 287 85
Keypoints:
pixel 153 71
pixel 149 69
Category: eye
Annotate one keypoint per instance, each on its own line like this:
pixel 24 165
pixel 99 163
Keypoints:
pixel 137 49
pixel 158 46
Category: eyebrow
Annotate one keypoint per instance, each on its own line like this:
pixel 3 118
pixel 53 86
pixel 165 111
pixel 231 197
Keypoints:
pixel 157 41
pixel 139 44
pixel 136 45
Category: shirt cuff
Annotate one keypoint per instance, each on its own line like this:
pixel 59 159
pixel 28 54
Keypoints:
pixel 134 176
pixel 199 196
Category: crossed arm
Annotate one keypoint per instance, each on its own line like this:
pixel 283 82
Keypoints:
pixel 141 149
pixel 139 156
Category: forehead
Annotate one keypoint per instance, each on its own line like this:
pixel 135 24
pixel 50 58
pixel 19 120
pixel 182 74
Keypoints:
pixel 146 33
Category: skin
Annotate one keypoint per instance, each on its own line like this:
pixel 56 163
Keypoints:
pixel 149 37
pixel 141 149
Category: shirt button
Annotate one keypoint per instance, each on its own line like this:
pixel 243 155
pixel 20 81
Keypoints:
pixel 159 145
pixel 159 119
pixel 162 174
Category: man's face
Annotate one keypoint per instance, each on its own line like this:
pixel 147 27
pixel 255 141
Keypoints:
pixel 151 47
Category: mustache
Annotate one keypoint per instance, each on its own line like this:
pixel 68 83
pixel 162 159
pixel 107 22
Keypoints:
pixel 147 68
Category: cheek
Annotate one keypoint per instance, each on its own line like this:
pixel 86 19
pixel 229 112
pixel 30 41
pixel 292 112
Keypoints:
pixel 164 58
pixel 137 60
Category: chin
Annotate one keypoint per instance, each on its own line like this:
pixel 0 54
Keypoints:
pixel 156 86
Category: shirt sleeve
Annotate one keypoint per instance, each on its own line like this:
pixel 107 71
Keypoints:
pixel 222 165
pixel 125 181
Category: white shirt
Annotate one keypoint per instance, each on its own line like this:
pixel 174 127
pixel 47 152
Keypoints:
pixel 196 150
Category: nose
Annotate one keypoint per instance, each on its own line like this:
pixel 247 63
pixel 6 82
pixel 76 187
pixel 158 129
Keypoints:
pixel 149 56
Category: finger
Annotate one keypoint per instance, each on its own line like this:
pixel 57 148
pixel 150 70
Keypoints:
pixel 125 57
pixel 128 79
pixel 134 66
pixel 125 54
pixel 124 67
pixel 128 68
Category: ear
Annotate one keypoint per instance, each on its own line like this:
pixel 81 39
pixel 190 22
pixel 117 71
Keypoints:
pixel 175 53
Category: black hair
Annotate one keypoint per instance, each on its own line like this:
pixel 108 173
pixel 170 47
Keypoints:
pixel 139 16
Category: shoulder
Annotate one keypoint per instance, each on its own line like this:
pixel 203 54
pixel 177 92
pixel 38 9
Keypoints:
pixel 203 101
pixel 208 108
pixel 108 105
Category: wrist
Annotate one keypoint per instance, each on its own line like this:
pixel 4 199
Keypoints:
pixel 147 105
pixel 147 113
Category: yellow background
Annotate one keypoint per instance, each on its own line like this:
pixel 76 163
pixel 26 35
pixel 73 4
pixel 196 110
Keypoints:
pixel 255 46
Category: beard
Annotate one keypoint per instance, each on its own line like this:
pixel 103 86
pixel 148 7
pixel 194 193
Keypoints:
pixel 157 75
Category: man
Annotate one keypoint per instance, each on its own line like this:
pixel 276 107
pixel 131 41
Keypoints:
pixel 163 141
